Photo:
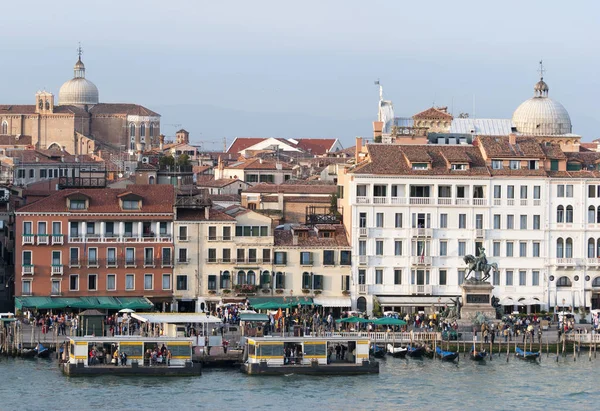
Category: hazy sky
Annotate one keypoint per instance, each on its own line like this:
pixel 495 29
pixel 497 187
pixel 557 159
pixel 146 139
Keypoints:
pixel 293 69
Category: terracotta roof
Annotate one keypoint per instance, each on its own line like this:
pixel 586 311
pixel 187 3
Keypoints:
pixel 389 159
pixel 50 157
pixel 316 146
pixel 201 178
pixel 292 188
pixel 235 198
pixel 588 146
pixel 220 183
pixel 433 114
pixel 6 140
pixel 500 147
pixel 257 164
pixel 17 108
pixel 201 169
pixel 155 199
pixel 122 108
pixel 284 238
pixel 241 143
pixel 145 167
pixel 190 214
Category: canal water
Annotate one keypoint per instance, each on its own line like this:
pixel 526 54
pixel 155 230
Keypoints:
pixel 402 384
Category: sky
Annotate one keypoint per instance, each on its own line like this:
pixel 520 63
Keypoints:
pixel 223 69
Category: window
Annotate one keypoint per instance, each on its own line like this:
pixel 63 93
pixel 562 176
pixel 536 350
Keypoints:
pixel 379 247
pixel 563 282
pixel 536 249
pixel 56 260
pixel 280 280
pixel 560 214
pixel 496 221
pixel 74 282
pixel 4 129
pixel 109 228
pixel 462 221
pixel 226 255
pixel 129 256
pixel 560 248
pixel 212 282
pixel 379 220
pixel 362 277
pixel 345 257
pixel 378 276
pixel 148 282
pixel 225 280
pixel 31 173
pixel 317 282
pixel 535 278
pixel 77 205
pixel 536 222
pixel 523 192
pixel 536 192
pixel 226 233
pixel 496 278
pixel 305 258
pixel 515 164
pixel 398 220
pixel 397 276
pixel 212 233
pixel 128 228
pixel 306 280
pixel 569 248
pixel 212 255
pixel 92 282
pixel 380 190
pixel 569 214
pixel 497 191
pixel 522 249
pixel 92 257
pixel 56 287
pixel 496 249
pixel 591 215
pixel 111 256
pixel 42 228
pixel 523 224
pixel 280 257
pixel 419 166
pixel 74 256
pixel 443 277
pixel 510 222
pixel 560 191
pixel 266 256
pixel 461 276
pixel 328 257
pixel 591 191
pixel 142 130
pixel 569 190
pixel 522 277
pixel 591 248
pixel 509 278
pixel 90 229
pixel 443 248
pixel 182 283
pixel 111 282
pixel 251 231
pixel 443 220
pixel 183 233
pixel 129 282
pixel 510 191
pixel 131 205
pixel 497 164
pixel 26 287
pixel 251 255
pixel 462 248
pixel 166 282
pixel 509 248
pixel 362 247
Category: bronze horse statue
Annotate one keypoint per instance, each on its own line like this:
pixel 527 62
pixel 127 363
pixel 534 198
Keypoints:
pixel 472 261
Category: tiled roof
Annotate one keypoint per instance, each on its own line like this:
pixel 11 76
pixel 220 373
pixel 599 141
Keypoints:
pixel 122 108
pixel 145 167
pixel 220 183
pixel 235 198
pixel 292 188
pixel 389 159
pixel 284 238
pixel 201 169
pixel 316 146
pixel 500 147
pixel 432 113
pixel 257 164
pixel 30 109
pixel 155 199
pixel 6 140
pixel 188 214
pixel 241 143
pixel 50 157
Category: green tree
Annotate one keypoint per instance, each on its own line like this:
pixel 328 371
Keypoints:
pixel 167 160
pixel 183 160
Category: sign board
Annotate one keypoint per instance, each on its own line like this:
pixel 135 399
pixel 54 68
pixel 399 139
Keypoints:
pixel 478 299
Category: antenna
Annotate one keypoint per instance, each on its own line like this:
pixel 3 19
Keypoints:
pixel 541 70
pixel 79 51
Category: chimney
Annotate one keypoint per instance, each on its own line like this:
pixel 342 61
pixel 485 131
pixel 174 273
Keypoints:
pixel 37 159
pixel 358 149
pixel 280 201
pixel 206 213
pixel 294 238
pixel 512 138
pixel 161 141
pixel 377 130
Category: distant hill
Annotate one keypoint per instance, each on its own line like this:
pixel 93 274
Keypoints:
pixel 210 123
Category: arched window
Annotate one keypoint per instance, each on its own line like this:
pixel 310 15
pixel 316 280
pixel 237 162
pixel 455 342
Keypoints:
pixel 569 214
pixel 251 278
pixel 132 143
pixel 142 130
pixel 151 180
pixel 596 282
pixel 569 248
pixel 598 214
pixel 591 248
pixel 132 130
pixel 225 280
pixel 151 129
pixel 591 215
pixel 265 279
pixel 563 282
pixel 361 304
pixel 598 248
pixel 241 278
pixel 560 214
pixel 4 129
pixel 560 248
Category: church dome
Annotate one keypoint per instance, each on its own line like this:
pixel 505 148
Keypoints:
pixel 78 90
pixel 540 115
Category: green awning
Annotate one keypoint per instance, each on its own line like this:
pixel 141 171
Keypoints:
pixel 109 303
pixel 389 321
pixel 30 302
pixel 282 302
pixel 136 303
pixel 253 317
pixel 84 303
pixel 271 306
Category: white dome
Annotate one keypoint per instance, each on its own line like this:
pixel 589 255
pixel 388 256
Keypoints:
pixel 541 116
pixel 78 91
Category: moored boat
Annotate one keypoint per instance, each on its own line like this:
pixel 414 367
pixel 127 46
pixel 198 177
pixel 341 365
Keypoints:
pixel 446 355
pixel 477 355
pixel 129 355
pixel 41 351
pixel 526 355
pixel 398 352
pixel 415 351
pixel 308 355
pixel 377 351
pixel 28 353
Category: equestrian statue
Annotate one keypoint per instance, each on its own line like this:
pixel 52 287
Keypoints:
pixel 479 264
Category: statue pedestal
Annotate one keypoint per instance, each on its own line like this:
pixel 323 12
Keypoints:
pixel 477 298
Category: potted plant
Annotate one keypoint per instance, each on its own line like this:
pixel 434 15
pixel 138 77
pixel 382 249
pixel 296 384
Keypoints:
pixel 226 291
pixel 212 292
pixel 305 291
pixel 317 292
pixel 279 291
pixel 266 291
pixel 346 293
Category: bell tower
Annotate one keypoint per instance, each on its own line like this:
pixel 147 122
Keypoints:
pixel 44 102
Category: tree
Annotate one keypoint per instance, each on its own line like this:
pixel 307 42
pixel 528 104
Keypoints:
pixel 167 160
pixel 183 160
pixel 377 139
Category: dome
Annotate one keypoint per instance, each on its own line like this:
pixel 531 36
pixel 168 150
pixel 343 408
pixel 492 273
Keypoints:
pixel 542 116
pixel 78 90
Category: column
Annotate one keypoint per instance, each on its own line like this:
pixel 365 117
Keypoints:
pixel 102 229
pixel 121 229
pixel 140 229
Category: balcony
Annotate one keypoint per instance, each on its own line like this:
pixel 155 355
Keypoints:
pixel 363 200
pixel 380 200
pixel 111 263
pixel 537 202
pixel 423 260
pixel 27 269
pixel 480 201
pixel 217 238
pixel 510 202
pixel 497 202
pixel 421 289
pixel 421 232
pixel 398 200
pixel 362 288
pixel 149 263
pixel 57 269
pixel 28 239
pixel 74 263
pixel 166 262
pixel 187 261
pixel 593 261
pixel 362 232
pixel 130 263
pixel 524 202
pixel 461 201
pixel 444 201
pixel 421 200
pixel 565 262
pixel 57 239
pixel 362 259
pixel 93 263
pixel 479 233
pixel 43 239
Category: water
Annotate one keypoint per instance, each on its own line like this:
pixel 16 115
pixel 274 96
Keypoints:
pixel 402 384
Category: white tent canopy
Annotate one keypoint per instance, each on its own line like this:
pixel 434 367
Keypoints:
pixel 509 301
pixel 530 301
pixel 333 301
pixel 177 318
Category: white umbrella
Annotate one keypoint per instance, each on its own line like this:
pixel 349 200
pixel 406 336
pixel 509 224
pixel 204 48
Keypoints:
pixel 507 301
pixel 530 301
pixel 126 310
